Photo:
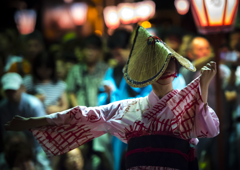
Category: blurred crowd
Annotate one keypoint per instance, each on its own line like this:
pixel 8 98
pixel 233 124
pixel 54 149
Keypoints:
pixel 39 78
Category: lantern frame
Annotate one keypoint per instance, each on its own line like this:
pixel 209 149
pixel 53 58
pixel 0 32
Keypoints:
pixel 216 28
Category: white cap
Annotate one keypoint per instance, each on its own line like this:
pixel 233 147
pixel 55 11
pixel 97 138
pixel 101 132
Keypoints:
pixel 11 81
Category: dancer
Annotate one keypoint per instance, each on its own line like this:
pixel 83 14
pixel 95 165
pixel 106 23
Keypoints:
pixel 160 129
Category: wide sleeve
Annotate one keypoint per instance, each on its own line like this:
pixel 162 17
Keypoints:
pixel 74 127
pixel 190 119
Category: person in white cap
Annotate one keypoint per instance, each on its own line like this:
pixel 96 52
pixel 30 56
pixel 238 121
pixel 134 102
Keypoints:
pixel 17 102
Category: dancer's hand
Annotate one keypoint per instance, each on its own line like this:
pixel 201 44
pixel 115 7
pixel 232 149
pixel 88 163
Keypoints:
pixel 208 72
pixel 18 123
pixel 107 89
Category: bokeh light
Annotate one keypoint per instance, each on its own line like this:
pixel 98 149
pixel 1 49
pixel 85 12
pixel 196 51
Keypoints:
pixel 126 12
pixel 146 24
pixel 26 21
pixel 111 17
pixel 79 13
pixel 182 6
pixel 145 10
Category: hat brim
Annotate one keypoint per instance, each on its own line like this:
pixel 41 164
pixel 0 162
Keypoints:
pixel 11 86
pixel 147 63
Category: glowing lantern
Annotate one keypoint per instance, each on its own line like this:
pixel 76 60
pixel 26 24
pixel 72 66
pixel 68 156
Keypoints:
pixel 111 17
pixel 126 12
pixel 214 15
pixel 26 21
pixel 79 13
pixel 182 6
pixel 145 10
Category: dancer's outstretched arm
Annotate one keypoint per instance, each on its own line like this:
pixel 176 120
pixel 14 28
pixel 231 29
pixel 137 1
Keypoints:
pixel 19 123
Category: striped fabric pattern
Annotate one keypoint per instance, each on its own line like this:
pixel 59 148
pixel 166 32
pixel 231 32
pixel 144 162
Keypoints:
pixel 51 91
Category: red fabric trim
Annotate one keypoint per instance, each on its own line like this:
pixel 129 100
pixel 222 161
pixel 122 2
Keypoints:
pixel 154 38
pixel 135 134
pixel 189 157
pixel 171 75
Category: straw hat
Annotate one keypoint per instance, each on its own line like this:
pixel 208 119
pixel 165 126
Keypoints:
pixel 149 59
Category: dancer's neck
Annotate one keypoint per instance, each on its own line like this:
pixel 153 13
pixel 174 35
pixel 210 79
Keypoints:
pixel 162 90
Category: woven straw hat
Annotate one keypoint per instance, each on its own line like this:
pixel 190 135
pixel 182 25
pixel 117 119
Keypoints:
pixel 149 59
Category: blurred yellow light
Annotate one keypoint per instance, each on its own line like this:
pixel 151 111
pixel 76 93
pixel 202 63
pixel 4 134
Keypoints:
pixel 146 24
pixel 79 13
pixel 111 17
pixel 182 6
pixel 126 12
pixel 98 32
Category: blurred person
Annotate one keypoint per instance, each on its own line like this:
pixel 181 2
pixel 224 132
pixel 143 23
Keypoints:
pixel 72 160
pixel 231 89
pixel 144 123
pixel 17 102
pixel 11 138
pixel 10 153
pixel 234 38
pixel 65 63
pixel 173 40
pixel 43 83
pixel 8 49
pixel 199 52
pixel 19 156
pixel 84 158
pixel 184 47
pixel 33 44
pixel 94 160
pixel 61 70
pixel 199 48
pixel 84 79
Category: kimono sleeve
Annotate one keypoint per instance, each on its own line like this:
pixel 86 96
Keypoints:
pixel 190 119
pixel 74 127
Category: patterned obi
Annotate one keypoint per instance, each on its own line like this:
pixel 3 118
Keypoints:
pixel 160 151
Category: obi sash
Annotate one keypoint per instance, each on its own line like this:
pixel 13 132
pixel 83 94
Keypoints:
pixel 161 151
